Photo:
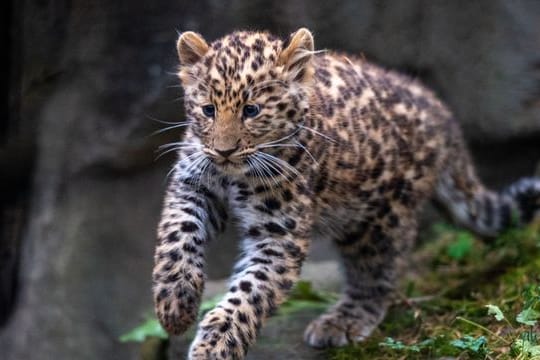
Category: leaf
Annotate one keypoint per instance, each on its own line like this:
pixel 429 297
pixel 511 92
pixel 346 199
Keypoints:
pixel 526 348
pixel 529 316
pixel 398 345
pixel 461 247
pixel 292 306
pixel 475 345
pixel 393 344
pixel 303 291
pixel 150 328
pixel 495 311
pixel 531 294
pixel 304 297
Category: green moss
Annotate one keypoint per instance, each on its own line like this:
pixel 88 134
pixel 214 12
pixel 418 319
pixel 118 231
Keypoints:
pixel 458 276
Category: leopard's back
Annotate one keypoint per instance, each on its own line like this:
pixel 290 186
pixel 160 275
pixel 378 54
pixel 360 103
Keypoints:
pixel 387 136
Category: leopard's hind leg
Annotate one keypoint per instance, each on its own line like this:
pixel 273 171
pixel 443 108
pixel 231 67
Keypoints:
pixel 372 254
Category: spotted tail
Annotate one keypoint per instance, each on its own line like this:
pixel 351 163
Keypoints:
pixel 481 210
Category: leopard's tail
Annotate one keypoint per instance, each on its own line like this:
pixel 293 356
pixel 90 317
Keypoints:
pixel 481 210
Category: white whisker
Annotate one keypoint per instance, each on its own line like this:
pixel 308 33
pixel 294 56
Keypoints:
pixel 195 163
pixel 180 143
pixel 163 153
pixel 284 173
pixel 201 81
pixel 296 144
pixel 184 159
pixel 267 170
pixel 283 138
pixel 318 133
pixel 163 121
pixel 267 83
pixel 173 147
pixel 258 174
pixel 173 168
pixel 205 164
pixel 275 145
pixel 274 164
pixel 308 152
pixel 195 158
pixel 179 125
pixel 284 164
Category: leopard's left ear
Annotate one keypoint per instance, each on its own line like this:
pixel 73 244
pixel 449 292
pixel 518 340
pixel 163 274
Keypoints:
pixel 296 57
pixel 191 48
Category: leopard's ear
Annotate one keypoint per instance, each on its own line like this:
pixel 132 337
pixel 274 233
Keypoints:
pixel 191 48
pixel 296 56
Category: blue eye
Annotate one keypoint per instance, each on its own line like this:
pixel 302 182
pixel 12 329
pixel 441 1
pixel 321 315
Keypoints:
pixel 251 110
pixel 209 110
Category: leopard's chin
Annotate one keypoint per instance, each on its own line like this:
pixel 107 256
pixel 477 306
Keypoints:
pixel 232 168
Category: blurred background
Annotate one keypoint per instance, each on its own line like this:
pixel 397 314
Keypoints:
pixel 85 81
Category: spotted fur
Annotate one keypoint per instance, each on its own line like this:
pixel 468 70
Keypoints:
pixel 300 144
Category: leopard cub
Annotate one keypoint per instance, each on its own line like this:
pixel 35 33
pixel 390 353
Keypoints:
pixel 298 144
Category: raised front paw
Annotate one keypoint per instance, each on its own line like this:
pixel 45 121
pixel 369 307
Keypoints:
pixel 334 330
pixel 220 337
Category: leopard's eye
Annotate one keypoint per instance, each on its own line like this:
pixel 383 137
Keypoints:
pixel 251 110
pixel 209 110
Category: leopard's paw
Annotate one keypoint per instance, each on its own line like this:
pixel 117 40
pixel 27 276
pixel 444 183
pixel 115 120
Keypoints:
pixel 177 310
pixel 334 330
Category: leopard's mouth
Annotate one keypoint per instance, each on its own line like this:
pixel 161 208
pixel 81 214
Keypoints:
pixel 230 166
pixel 228 162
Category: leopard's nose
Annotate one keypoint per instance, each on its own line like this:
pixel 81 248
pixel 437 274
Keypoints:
pixel 226 153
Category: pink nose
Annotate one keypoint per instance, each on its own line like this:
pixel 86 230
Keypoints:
pixel 226 153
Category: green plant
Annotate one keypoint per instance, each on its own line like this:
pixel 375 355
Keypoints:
pixel 149 328
pixel 520 336
pixel 461 247
pixel 476 346
pixel 398 345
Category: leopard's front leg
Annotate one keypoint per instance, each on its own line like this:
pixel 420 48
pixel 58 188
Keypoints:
pixel 192 215
pixel 275 245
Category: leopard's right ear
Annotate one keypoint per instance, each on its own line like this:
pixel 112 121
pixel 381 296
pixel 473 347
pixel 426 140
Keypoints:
pixel 296 56
pixel 191 48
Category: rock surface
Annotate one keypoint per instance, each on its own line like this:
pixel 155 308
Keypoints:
pixel 85 79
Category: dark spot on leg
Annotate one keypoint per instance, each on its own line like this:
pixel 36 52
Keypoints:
pixel 226 326
pixel 189 248
pixel 235 301
pixel 245 286
pixel 242 317
pixel 174 255
pixel 259 275
pixel 275 228
pixel 189 226
pixel 287 195
pixel 272 204
pixel 254 231
pixel 163 293
pixel 290 223
pixel 173 237
pixel 271 252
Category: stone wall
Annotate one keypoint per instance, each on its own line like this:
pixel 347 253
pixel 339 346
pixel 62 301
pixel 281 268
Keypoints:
pixel 81 189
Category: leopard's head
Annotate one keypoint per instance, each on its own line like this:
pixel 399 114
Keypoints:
pixel 245 94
